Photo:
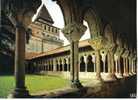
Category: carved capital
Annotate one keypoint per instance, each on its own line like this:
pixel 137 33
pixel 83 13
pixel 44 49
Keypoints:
pixel 119 51
pixel 21 11
pixel 125 54
pixel 97 43
pixel 74 31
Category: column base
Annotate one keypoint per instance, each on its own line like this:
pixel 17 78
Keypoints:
pixel 19 93
pixel 76 84
pixel 108 77
pixel 134 73
pixel 130 74
pixel 119 75
pixel 126 75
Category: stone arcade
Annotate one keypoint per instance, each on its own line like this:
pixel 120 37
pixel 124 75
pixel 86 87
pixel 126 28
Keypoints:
pixel 109 53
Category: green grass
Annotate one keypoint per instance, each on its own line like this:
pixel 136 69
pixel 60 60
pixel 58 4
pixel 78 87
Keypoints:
pixel 34 83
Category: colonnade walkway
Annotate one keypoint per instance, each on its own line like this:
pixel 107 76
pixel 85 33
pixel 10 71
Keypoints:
pixel 122 88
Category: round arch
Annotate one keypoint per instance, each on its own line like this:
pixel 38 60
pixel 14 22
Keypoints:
pixel 108 33
pixel 94 22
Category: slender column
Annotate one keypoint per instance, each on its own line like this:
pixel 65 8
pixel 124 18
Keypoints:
pixel 127 66
pixel 48 66
pixel 62 62
pixel 52 69
pixel 74 64
pixel 45 65
pixel 130 66
pixel 79 61
pixel 85 60
pixel 112 62
pixel 94 61
pixel 98 69
pixel 20 89
pixel 67 62
pixel 103 60
pixel 58 64
pixel 109 63
pixel 54 65
pixel 124 65
pixel 119 65
pixel 119 68
pixel 134 66
pixel 111 73
pixel 116 64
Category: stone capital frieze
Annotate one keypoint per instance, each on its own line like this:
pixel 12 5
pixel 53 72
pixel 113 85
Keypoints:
pixel 21 11
pixel 125 54
pixel 119 51
pixel 74 31
pixel 97 43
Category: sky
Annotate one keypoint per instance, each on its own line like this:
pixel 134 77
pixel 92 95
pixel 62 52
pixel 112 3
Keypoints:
pixel 57 16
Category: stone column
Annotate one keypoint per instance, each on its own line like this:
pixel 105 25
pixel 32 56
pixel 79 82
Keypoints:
pixel 116 64
pixel 48 65
pixel 103 60
pixel 62 62
pixel 58 64
pixel 54 65
pixel 79 61
pixel 126 67
pixel 74 62
pixel 85 60
pixel 97 43
pixel 67 62
pixel 73 32
pixel 98 64
pixel 111 73
pixel 119 68
pixel 20 16
pixel 45 65
pixel 20 89
pixel 112 63
pixel 134 65
pixel 94 61
pixel 130 66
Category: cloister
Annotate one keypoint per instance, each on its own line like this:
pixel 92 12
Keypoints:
pixel 108 56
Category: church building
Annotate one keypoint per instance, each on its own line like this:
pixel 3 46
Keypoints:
pixel 44 36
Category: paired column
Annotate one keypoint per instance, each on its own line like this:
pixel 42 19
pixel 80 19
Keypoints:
pixel 125 65
pixel 67 62
pixel 86 63
pixel 74 64
pixel 73 32
pixel 103 60
pixel 111 67
pixel 98 64
pixel 118 66
pixel 54 65
pixel 94 61
pixel 134 67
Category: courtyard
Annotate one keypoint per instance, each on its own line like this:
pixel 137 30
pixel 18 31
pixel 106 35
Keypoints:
pixel 50 58
pixel 34 83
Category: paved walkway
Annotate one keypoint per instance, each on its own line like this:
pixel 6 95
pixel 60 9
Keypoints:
pixel 122 88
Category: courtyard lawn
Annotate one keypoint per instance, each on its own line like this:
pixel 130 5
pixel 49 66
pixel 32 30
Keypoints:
pixel 34 83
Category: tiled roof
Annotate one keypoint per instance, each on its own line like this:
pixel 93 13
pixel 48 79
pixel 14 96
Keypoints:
pixel 30 55
pixel 83 43
pixel 44 15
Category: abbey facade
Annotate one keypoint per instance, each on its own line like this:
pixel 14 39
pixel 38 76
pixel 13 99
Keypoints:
pixel 44 36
